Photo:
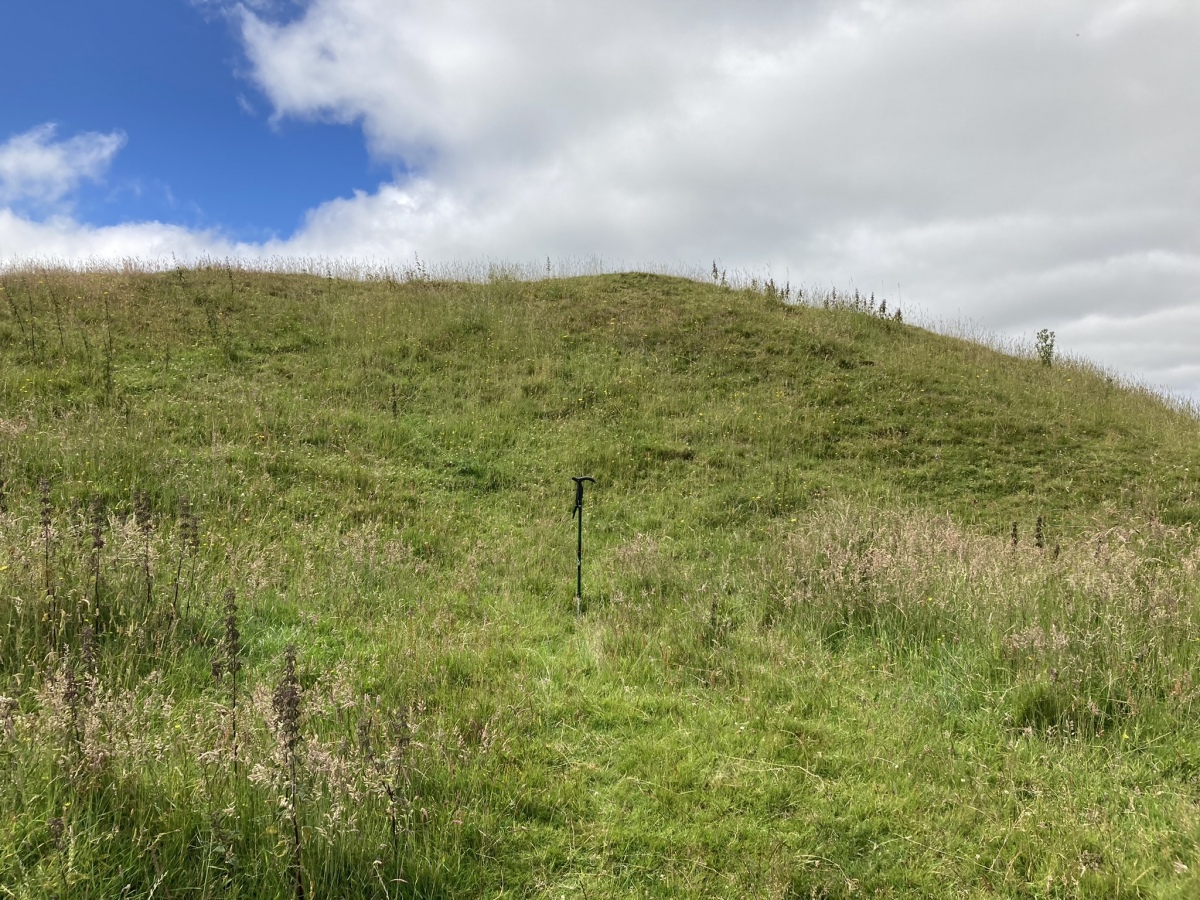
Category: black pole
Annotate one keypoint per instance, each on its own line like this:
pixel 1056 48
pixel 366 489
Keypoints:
pixel 578 511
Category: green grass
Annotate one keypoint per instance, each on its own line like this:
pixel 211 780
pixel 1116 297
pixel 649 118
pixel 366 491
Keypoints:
pixel 810 661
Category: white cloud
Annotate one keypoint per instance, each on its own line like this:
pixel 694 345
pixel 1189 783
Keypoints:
pixel 1018 164
pixel 38 178
pixel 38 171
pixel 63 239
pixel 1012 162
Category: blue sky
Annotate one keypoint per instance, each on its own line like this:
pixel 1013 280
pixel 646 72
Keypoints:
pixel 169 76
pixel 1015 164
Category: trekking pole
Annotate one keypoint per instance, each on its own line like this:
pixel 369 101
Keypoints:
pixel 578 511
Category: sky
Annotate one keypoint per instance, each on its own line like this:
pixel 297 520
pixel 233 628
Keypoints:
pixel 1011 165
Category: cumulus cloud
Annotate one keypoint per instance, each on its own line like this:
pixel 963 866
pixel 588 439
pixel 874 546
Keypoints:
pixel 1018 164
pixel 39 176
pixel 1011 162
pixel 38 171
pixel 63 239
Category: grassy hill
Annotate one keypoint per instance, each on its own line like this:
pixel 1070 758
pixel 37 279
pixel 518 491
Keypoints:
pixel 868 611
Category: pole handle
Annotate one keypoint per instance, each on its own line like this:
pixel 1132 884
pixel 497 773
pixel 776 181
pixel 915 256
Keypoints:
pixel 579 483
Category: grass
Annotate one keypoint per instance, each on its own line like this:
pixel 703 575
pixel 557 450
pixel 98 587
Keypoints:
pixel 810 661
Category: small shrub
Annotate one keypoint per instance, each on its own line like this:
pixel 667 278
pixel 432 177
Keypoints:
pixel 1045 347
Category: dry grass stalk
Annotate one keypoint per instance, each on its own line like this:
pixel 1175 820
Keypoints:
pixel 189 543
pixel 47 572
pixel 141 514
pixel 1111 613
pixel 287 707
pixel 98 522
pixel 228 663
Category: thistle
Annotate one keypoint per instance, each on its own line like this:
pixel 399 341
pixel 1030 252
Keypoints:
pixel 1044 348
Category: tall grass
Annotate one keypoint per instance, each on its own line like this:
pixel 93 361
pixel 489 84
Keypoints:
pixel 1101 631
pixel 812 662
pixel 128 779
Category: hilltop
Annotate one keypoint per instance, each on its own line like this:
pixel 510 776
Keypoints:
pixel 868 610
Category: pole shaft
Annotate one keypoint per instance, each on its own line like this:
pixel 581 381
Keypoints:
pixel 579 557
pixel 579 483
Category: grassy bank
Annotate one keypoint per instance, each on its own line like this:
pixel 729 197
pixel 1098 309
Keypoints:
pixel 868 611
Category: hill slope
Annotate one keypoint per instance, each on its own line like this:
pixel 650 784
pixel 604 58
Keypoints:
pixel 811 659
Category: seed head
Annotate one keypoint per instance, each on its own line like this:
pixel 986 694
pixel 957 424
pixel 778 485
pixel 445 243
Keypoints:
pixel 233 638
pixel 44 491
pixel 189 525
pixel 286 702
pixel 97 525
pixel 89 650
pixel 141 510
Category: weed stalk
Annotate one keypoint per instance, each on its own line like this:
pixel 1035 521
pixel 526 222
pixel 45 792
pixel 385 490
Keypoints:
pixel 286 702
pixel 97 547
pixel 47 571
pixel 229 662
